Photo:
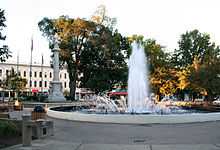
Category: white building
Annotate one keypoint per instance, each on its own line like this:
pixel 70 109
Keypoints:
pixel 40 78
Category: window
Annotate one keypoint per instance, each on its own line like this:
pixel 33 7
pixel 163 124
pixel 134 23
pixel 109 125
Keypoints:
pixel 24 73
pixel 50 75
pixel 60 76
pixel 65 75
pixel 40 83
pixel 0 72
pixel 35 74
pixel 45 83
pixel 64 84
pixel 19 73
pixel 7 72
pixel 40 74
pixel 30 74
pixel 30 83
pixel 35 83
pixel 45 75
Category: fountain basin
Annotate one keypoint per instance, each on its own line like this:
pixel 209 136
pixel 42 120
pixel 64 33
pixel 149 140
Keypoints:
pixel 134 119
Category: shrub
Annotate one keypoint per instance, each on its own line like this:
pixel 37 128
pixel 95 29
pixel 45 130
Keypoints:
pixel 8 128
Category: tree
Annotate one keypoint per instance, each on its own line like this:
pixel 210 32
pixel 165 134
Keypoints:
pixel 14 82
pixel 192 44
pixel 105 65
pixel 4 51
pixel 87 48
pixel 206 77
pixel 156 55
pixel 164 81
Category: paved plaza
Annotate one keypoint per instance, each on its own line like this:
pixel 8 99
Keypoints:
pixel 71 135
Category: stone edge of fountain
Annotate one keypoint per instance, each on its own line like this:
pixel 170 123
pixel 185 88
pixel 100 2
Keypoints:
pixel 134 119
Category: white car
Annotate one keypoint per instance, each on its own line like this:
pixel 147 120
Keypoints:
pixel 216 102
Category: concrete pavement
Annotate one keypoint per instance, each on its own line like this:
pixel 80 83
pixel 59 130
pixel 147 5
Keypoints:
pixel 71 135
pixel 50 144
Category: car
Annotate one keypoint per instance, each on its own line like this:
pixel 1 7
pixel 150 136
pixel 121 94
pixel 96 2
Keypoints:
pixel 216 102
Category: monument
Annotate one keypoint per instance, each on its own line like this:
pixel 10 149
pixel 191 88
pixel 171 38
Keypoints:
pixel 56 94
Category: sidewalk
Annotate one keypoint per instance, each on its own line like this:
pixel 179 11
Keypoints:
pixel 50 144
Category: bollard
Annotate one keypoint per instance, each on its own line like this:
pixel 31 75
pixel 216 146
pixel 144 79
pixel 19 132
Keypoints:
pixel 26 130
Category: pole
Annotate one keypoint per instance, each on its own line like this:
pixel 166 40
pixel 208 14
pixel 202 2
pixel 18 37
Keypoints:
pixel 18 64
pixel 30 73
pixel 17 75
pixel 42 62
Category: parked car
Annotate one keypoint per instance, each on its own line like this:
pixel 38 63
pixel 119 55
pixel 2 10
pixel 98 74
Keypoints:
pixel 216 102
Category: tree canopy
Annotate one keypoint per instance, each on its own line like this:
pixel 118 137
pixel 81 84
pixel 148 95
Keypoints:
pixel 93 52
pixel 4 51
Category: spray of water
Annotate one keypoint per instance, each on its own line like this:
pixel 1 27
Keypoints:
pixel 138 89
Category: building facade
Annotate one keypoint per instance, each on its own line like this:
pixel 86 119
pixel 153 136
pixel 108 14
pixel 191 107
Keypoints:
pixel 38 76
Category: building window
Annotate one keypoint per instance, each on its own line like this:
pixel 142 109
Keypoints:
pixel 64 84
pixel 60 76
pixel 19 73
pixel 50 75
pixel 24 73
pixel 7 72
pixel 45 75
pixel 40 83
pixel 30 74
pixel 65 75
pixel 0 72
pixel 35 74
pixel 35 83
pixel 40 74
pixel 30 83
pixel 45 83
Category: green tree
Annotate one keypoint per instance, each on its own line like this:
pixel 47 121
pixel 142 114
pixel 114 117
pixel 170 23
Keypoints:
pixel 86 48
pixel 206 77
pixel 104 65
pixel 192 44
pixel 4 51
pixel 156 55
pixel 199 57
pixel 14 82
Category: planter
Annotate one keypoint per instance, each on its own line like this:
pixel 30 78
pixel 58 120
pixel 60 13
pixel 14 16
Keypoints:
pixel 38 115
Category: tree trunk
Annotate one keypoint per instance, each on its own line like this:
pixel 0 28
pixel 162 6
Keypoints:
pixel 72 89
pixel 73 78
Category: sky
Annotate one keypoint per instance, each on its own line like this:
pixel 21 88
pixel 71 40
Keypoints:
pixel 162 20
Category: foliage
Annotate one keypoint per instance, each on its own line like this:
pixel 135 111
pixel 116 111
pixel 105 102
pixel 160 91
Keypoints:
pixel 14 82
pixel 199 58
pixel 164 81
pixel 192 44
pixel 102 67
pixel 157 57
pixel 4 50
pixel 92 51
pixel 206 78
pixel 8 128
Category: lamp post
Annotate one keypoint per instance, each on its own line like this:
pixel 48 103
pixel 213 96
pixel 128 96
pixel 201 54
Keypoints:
pixel 56 93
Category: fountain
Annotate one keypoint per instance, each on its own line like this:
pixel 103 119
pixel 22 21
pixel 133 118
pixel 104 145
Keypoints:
pixel 138 89
pixel 139 102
